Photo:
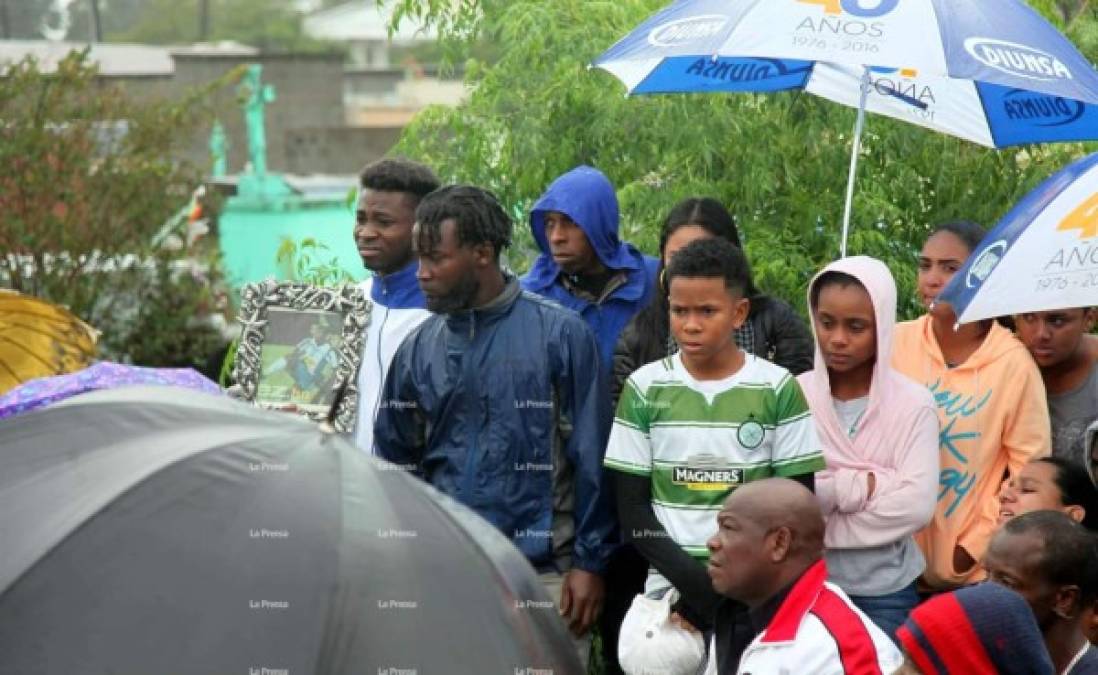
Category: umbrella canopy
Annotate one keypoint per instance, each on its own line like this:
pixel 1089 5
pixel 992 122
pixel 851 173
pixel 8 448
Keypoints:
pixel 988 114
pixel 1042 256
pixel 1000 42
pixel 156 530
pixel 990 71
pixel 38 339
pixel 103 375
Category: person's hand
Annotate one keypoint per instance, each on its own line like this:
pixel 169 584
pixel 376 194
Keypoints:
pixel 581 597
pixel 872 486
pixel 678 620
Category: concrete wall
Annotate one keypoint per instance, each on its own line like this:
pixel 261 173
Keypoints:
pixel 338 150
pixel 371 83
pixel 306 130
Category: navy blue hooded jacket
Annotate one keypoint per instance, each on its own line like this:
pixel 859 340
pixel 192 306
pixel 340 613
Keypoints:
pixel 504 409
pixel 586 196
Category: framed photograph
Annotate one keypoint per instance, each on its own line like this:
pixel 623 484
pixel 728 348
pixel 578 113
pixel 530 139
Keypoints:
pixel 300 347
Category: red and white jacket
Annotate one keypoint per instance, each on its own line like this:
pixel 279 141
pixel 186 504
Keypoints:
pixel 817 630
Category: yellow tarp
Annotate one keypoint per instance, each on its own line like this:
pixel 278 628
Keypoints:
pixel 39 339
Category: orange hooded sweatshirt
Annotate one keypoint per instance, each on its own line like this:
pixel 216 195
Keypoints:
pixel 994 418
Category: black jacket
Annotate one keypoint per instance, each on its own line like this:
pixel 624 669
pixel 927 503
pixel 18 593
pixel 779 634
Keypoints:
pixel 780 336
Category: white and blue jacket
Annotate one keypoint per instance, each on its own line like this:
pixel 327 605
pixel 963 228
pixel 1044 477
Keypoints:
pixel 398 308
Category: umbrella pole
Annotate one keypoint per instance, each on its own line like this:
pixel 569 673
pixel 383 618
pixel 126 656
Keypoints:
pixel 858 127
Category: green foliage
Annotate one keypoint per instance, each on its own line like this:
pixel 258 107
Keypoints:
pixel 458 22
pixel 86 181
pixel 170 325
pixel 225 374
pixel 310 262
pixel 779 161
pixel 595 659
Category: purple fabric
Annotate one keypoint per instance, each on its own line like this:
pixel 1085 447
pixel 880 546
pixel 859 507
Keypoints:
pixel 103 375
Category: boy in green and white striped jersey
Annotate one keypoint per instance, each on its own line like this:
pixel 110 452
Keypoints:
pixel 694 426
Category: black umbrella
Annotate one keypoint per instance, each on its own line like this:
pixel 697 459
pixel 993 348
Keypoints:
pixel 147 531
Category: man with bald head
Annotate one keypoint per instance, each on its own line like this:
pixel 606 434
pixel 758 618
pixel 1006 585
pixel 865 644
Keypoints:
pixel 767 557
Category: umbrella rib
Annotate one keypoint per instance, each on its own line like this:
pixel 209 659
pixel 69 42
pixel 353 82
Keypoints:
pixel 7 368
pixel 60 338
pixel 59 318
pixel 38 322
pixel 48 316
pixel 60 333
pixel 29 353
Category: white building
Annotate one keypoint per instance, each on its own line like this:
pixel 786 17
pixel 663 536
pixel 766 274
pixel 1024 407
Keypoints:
pixel 364 27
pixel 377 92
pixel 116 59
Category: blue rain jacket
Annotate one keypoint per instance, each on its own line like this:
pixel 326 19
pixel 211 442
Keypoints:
pixel 498 408
pixel 586 196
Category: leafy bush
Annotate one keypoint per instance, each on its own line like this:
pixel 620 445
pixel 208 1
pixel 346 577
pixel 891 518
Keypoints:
pixel 310 262
pixel 87 180
pixel 177 319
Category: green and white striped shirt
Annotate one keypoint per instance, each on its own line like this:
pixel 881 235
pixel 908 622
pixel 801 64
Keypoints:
pixel 699 440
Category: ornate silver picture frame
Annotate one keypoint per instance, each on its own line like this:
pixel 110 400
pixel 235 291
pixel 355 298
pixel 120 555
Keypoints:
pixel 300 348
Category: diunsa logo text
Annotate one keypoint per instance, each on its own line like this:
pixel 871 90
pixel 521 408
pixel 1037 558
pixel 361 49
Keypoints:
pixel 1016 59
pixel 986 263
pixel 685 31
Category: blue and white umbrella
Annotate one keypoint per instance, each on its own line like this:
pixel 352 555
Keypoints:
pixel 990 71
pixel 1000 42
pixel 1042 256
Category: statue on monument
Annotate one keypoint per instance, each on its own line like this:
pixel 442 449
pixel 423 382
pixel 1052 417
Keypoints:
pixel 256 96
pixel 219 150
pixel 255 182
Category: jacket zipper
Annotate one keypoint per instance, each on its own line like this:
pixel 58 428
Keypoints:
pixel 472 399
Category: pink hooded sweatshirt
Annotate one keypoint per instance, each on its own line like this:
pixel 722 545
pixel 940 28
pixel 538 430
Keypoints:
pixel 896 439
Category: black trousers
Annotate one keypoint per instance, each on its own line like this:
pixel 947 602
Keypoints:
pixel 625 576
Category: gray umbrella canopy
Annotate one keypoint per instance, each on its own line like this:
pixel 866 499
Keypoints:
pixel 156 530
